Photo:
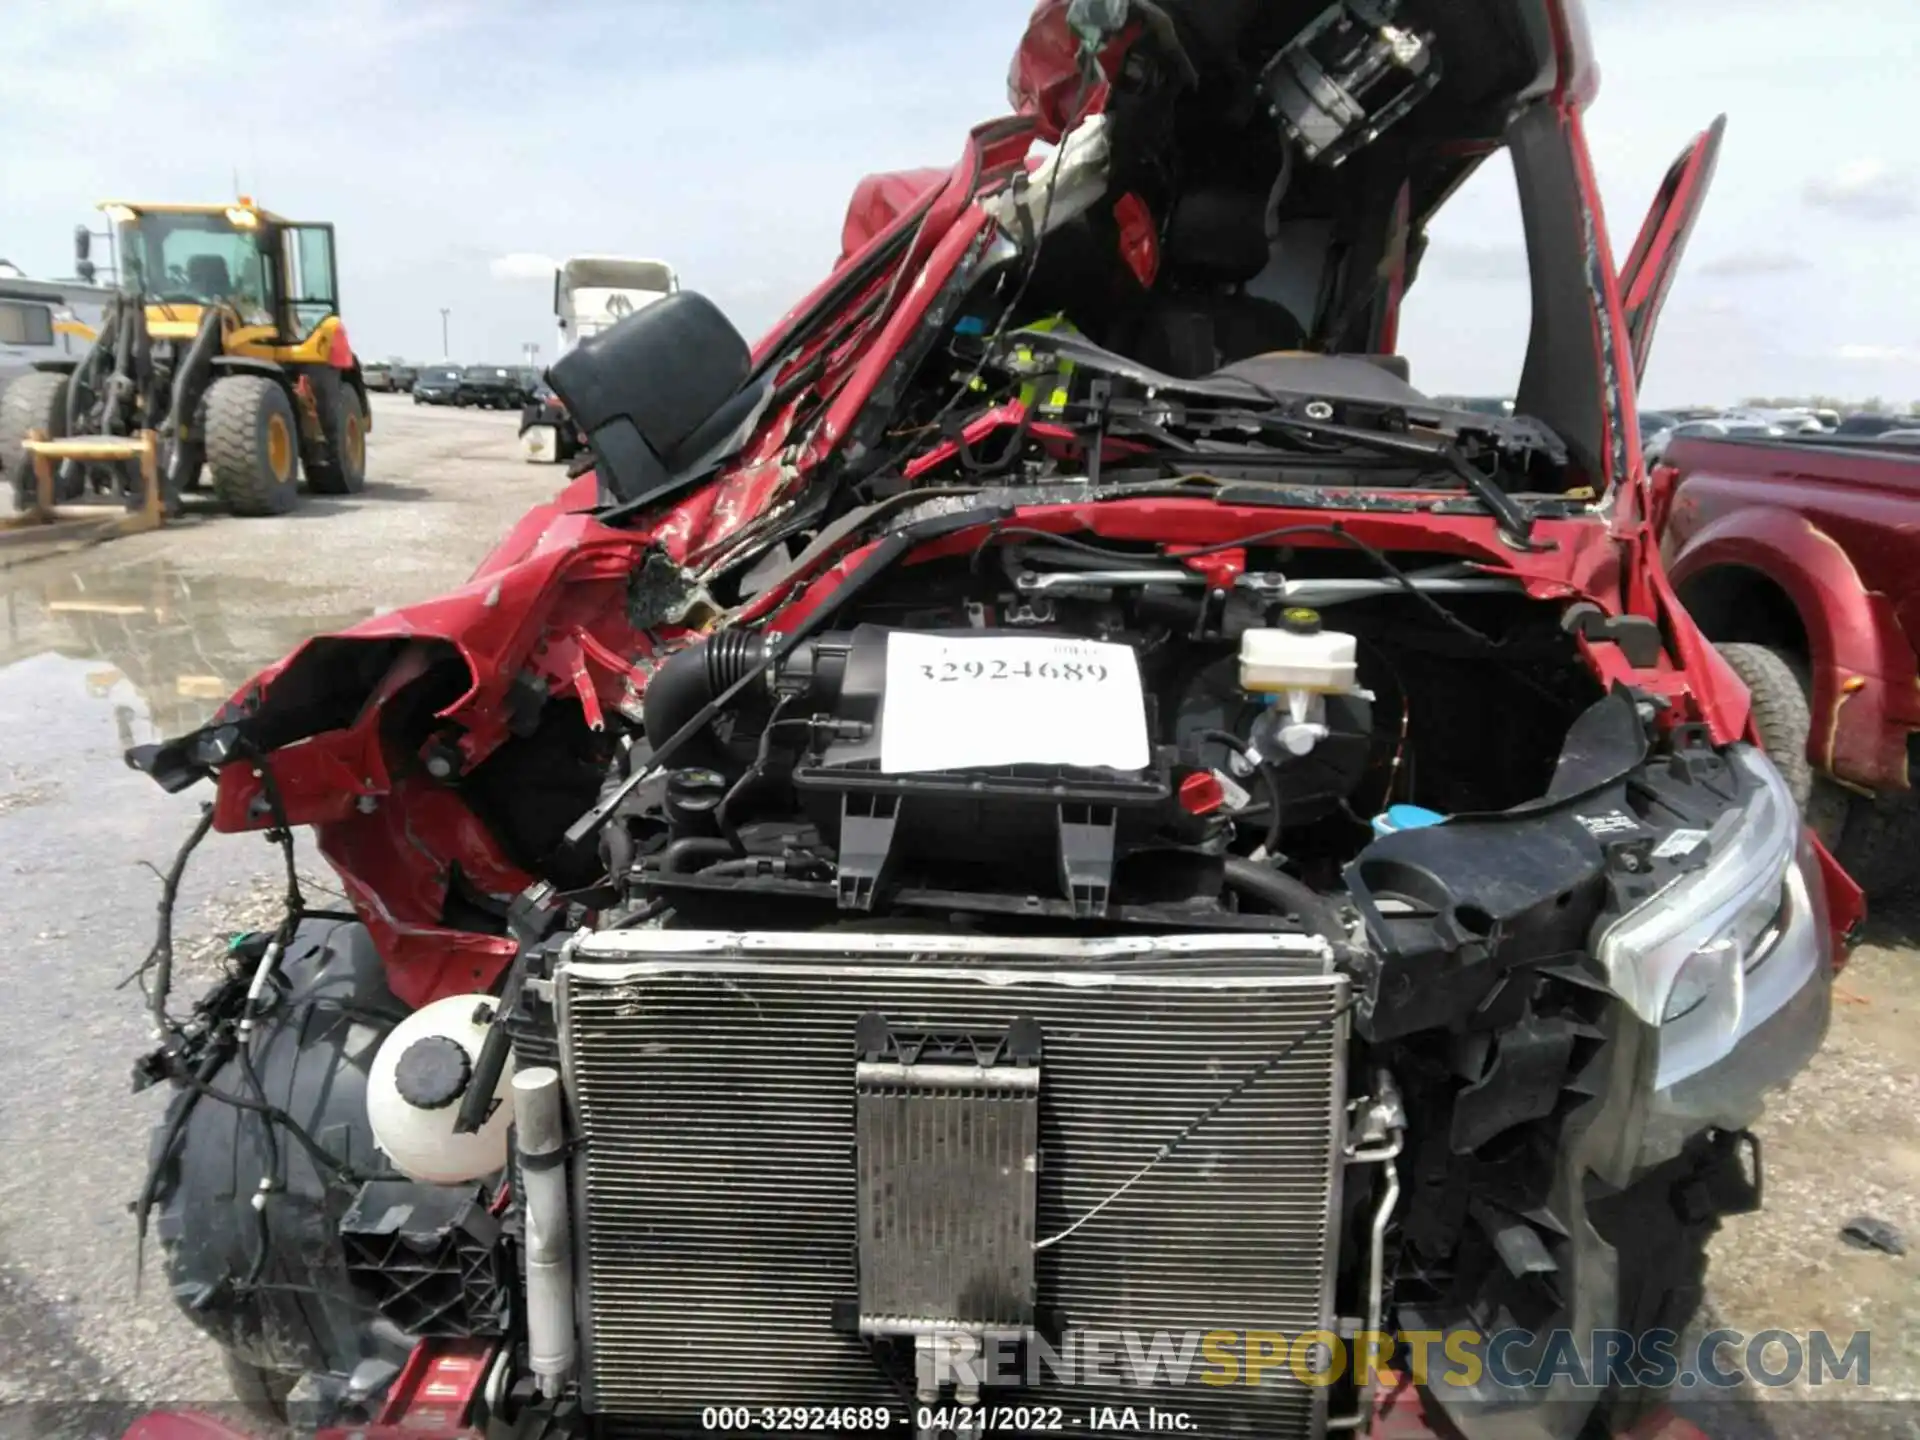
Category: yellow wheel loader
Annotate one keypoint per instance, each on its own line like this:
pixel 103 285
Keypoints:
pixel 224 339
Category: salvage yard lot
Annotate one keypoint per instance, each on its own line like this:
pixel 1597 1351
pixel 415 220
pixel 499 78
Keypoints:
pixel 104 647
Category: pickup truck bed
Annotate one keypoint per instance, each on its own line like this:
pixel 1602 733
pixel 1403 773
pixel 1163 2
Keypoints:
pixel 1800 558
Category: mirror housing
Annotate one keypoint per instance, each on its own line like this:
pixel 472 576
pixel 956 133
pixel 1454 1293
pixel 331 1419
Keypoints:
pixel 82 253
pixel 644 390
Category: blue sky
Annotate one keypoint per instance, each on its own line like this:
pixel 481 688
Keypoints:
pixel 455 144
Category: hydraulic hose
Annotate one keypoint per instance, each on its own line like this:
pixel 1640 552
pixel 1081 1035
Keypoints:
pixel 187 382
pixel 90 377
pixel 1286 895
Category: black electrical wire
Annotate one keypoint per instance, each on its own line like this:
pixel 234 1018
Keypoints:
pixel 198 1082
pixel 1347 537
pixel 1064 542
pixel 754 771
pixel 1246 1083
pixel 1268 778
pixel 323 1158
pixel 1035 240
pixel 160 957
pixel 270 1181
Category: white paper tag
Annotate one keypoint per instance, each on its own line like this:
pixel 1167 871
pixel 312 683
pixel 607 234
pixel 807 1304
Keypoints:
pixel 955 701
pixel 1679 843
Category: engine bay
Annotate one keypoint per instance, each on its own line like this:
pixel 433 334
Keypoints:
pixel 934 756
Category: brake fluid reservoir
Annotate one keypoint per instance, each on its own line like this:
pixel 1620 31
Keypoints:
pixel 1298 656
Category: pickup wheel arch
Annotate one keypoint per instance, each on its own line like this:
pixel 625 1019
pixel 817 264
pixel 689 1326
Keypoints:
pixel 1736 604
pixel 1765 575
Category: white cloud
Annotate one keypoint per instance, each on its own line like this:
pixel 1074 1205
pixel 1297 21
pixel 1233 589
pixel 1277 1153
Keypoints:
pixel 523 265
pixel 1878 354
pixel 1740 264
pixel 1865 190
pixel 1475 260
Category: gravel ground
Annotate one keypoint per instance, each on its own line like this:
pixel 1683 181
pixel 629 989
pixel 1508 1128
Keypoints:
pixel 108 647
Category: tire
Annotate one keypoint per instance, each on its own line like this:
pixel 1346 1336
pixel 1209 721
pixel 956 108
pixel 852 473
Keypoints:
pixel 1779 685
pixel 252 445
pixel 1880 844
pixel 342 469
pixel 34 401
pixel 1780 711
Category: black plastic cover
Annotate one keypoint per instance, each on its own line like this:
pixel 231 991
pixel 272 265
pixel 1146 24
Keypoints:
pixel 1452 909
pixel 645 387
pixel 1071 823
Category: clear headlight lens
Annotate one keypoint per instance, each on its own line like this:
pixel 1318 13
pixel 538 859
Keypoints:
pixel 1683 959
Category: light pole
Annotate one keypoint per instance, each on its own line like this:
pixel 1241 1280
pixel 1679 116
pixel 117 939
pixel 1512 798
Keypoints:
pixel 446 352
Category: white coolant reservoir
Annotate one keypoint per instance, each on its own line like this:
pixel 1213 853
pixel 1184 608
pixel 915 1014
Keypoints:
pixel 1298 655
pixel 414 1090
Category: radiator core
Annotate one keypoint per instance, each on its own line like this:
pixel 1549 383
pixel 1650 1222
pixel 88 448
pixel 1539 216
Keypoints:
pixel 714 1082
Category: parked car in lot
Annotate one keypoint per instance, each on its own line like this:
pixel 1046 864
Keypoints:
pixel 378 375
pixel 404 376
pixel 490 387
pixel 1868 423
pixel 1800 558
pixel 437 385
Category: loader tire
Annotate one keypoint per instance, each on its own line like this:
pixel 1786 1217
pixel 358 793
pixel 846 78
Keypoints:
pixel 34 401
pixel 252 445
pixel 340 469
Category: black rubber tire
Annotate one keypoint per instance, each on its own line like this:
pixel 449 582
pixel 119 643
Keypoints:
pixel 342 469
pixel 34 401
pixel 241 413
pixel 1780 711
pixel 1880 847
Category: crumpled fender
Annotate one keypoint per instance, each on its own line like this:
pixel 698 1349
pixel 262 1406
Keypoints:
pixel 1862 661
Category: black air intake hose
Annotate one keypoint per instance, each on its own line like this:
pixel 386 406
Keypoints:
pixel 1286 895
pixel 688 680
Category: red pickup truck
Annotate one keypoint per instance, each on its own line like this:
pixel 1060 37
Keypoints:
pixel 1800 559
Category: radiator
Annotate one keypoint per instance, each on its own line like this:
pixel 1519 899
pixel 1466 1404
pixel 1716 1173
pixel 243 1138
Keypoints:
pixel 735 1141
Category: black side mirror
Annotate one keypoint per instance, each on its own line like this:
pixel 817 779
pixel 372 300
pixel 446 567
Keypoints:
pixel 82 250
pixel 642 388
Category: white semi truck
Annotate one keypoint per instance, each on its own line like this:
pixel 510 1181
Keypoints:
pixel 590 293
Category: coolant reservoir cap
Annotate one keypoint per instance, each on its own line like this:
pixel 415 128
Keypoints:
pixel 433 1072
pixel 1300 620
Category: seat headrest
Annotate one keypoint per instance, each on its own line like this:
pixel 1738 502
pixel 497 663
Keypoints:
pixel 1217 235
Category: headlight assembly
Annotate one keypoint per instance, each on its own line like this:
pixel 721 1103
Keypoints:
pixel 1720 950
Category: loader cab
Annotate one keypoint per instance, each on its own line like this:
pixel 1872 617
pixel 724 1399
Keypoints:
pixel 273 273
